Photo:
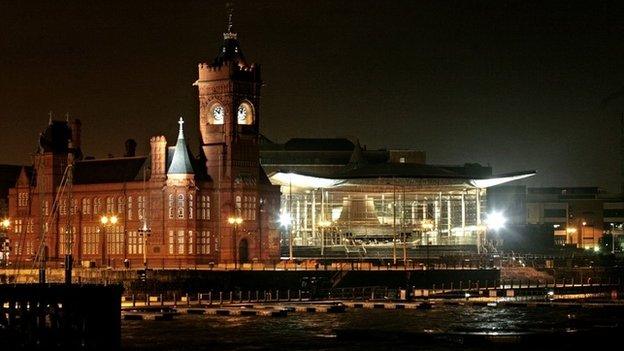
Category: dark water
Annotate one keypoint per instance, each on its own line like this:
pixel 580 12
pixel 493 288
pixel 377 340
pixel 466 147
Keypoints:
pixel 441 328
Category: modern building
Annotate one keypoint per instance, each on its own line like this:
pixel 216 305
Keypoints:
pixel 578 216
pixel 340 197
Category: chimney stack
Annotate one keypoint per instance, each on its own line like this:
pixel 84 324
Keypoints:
pixel 131 146
pixel 158 147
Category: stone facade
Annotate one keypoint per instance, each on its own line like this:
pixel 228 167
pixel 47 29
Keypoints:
pixel 187 204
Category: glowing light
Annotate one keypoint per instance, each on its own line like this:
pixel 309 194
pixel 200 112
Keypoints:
pixel 324 223
pixel 113 219
pixel 486 183
pixel 551 293
pixel 596 248
pixel 235 220
pixel 495 220
pixel 285 219
pixel 571 230
pixel 104 220
pixel 6 223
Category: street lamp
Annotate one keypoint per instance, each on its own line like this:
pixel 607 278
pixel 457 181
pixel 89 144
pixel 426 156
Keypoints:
pixel 494 221
pixel 144 233
pixel 106 221
pixel 235 222
pixel 285 221
pixel 427 226
pixel 570 231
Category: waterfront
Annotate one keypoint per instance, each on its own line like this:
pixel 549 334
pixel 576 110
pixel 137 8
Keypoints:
pixel 440 328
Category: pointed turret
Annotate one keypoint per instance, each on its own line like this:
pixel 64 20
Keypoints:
pixel 230 50
pixel 181 162
pixel 357 159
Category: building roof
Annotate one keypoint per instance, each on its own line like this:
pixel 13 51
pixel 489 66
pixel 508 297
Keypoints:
pixel 8 177
pixel 319 144
pixel 109 170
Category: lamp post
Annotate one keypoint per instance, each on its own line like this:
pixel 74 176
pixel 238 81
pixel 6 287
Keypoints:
pixel 144 233
pixel 286 221
pixel 427 226
pixel 5 224
pixel 235 222
pixel 106 221
pixel 570 231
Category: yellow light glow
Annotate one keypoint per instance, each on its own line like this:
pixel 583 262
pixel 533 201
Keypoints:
pixel 104 220
pixel 113 219
pixel 6 223
pixel 571 230
pixel 324 223
pixel 235 220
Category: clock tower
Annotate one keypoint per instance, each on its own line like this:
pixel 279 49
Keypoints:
pixel 229 116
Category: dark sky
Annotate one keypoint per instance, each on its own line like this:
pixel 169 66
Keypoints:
pixel 517 85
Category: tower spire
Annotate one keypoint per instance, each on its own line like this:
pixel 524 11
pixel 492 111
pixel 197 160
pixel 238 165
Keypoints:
pixel 181 132
pixel 230 9
pixel 181 160
pixel 230 23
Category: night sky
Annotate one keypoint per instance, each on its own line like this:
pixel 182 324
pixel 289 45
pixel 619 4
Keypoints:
pixel 518 85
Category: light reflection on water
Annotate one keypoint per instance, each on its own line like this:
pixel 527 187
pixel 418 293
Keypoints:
pixel 300 331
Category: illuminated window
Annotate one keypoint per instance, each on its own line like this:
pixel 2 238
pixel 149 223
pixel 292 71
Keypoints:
pixel 190 206
pixel 63 207
pixel 110 205
pixel 204 207
pixel 171 238
pixel 203 242
pixel 180 206
pixel 120 205
pixel 238 205
pixel 129 207
pixel 190 242
pixel 22 199
pixel 141 207
pixel 170 206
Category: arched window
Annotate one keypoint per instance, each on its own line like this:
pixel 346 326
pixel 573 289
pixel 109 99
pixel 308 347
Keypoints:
pixel 180 206
pixel 238 205
pixel 120 205
pixel 191 206
pixel 170 203
pixel 130 207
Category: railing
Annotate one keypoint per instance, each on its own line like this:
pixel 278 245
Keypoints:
pixel 76 317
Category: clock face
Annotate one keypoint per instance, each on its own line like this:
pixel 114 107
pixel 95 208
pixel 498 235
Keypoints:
pixel 218 113
pixel 244 114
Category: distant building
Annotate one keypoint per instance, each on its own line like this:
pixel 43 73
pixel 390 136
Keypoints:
pixel 578 216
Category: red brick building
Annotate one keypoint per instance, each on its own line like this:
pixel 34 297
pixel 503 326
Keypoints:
pixel 185 203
